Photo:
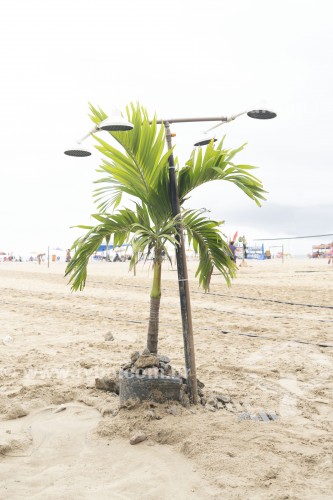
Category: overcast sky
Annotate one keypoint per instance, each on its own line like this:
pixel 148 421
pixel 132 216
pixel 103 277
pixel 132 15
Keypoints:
pixel 177 58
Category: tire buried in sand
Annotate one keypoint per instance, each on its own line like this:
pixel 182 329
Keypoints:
pixel 146 388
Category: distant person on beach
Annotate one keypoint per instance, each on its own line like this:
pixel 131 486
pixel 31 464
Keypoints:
pixel 40 257
pixel 330 256
pixel 68 255
pixel 244 250
pixel 233 250
pixel 268 254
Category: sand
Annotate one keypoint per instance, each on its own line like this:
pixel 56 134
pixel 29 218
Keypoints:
pixel 266 343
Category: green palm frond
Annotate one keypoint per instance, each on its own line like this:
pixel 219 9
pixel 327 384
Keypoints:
pixel 215 164
pixel 118 226
pixel 213 250
pixel 140 167
pixel 124 226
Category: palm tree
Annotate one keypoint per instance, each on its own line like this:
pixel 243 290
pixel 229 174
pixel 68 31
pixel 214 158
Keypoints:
pixel 139 168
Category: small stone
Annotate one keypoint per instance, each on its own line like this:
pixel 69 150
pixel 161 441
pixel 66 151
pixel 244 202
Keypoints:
pixel 152 415
pixel 219 405
pixel 224 399
pixel 164 359
pixel 86 364
pixel 108 337
pixel 229 407
pixel 134 356
pixel 7 340
pixel 174 410
pixel 210 407
pixel 212 402
pixel 149 415
pixel 145 352
pixel 167 369
pixel 138 437
pixel 146 361
pixel 107 384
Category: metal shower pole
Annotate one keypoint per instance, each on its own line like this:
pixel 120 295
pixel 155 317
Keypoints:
pixel 184 291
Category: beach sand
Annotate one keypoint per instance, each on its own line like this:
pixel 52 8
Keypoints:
pixel 266 343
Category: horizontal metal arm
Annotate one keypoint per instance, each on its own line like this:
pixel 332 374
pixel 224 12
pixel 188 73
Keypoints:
pixel 95 129
pixel 187 120
pixel 219 119
pixel 223 119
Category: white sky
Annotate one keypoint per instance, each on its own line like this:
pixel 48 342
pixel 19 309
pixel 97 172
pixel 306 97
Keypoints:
pixel 178 58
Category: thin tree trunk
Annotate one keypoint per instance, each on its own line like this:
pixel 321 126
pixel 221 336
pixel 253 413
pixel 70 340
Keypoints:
pixel 152 339
pixel 155 299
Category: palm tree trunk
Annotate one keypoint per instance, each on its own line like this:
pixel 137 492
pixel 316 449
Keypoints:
pixel 155 299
